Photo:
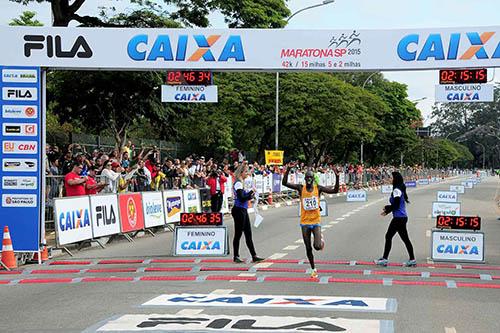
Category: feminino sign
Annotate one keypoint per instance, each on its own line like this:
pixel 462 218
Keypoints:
pixel 189 94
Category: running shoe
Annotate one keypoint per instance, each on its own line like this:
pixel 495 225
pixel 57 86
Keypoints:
pixel 257 259
pixel 410 263
pixel 314 274
pixel 238 260
pixel 381 262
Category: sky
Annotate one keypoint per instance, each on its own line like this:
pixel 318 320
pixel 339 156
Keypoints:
pixel 345 14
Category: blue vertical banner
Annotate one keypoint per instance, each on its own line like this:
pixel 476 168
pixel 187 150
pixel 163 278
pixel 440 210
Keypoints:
pixel 21 156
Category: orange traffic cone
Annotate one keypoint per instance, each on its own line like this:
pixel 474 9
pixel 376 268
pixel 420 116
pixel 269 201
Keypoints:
pixel 45 253
pixel 8 256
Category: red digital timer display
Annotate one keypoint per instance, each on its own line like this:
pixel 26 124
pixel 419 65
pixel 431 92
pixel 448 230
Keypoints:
pixel 458 222
pixel 192 78
pixel 463 76
pixel 197 219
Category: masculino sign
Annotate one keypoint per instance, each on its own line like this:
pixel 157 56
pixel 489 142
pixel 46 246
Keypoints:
pixel 203 241
pixel 457 246
pixel 251 49
pixel 468 93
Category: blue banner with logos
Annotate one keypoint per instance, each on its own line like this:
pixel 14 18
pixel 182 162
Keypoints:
pixel 21 155
pixel 411 184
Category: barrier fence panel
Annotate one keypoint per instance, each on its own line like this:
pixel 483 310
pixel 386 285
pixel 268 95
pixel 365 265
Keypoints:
pixel 73 220
pixel 173 205
pixel 105 215
pixel 154 214
pixel 131 212
pixel 192 203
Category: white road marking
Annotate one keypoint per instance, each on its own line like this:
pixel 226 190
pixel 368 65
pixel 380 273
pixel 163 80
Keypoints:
pixel 450 330
pixel 238 281
pixel 262 265
pixel 189 312
pixel 334 222
pixel 222 291
pixel 341 219
pixel 346 215
pixel 246 274
pixel 326 226
pixel 277 256
pixel 428 233
pixel 290 247
pixel 299 241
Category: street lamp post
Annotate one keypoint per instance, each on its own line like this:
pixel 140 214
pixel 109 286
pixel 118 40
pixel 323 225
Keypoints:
pixel 484 153
pixel 276 138
pixel 362 143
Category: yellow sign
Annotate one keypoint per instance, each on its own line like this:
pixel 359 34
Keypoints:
pixel 274 157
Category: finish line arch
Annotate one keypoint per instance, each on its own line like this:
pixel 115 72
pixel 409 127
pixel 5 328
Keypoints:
pixel 29 51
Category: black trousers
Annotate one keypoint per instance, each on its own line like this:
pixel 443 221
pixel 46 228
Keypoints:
pixel 216 202
pixel 242 226
pixel 398 225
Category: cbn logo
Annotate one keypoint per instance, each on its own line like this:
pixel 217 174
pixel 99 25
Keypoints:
pixel 140 48
pixel 409 47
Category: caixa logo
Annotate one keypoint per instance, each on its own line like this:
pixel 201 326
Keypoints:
pixel 141 48
pixel 411 47
pixel 458 249
pixel 53 45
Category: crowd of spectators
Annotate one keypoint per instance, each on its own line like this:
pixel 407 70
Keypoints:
pixel 76 171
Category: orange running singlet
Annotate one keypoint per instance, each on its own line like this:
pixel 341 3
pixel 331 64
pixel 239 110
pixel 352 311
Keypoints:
pixel 309 207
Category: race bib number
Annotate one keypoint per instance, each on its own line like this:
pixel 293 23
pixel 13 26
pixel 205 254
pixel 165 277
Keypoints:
pixel 310 203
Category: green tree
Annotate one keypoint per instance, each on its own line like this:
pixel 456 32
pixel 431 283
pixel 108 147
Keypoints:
pixel 27 18
pixel 254 14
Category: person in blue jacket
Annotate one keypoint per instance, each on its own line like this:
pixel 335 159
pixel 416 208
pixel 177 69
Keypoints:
pixel 398 201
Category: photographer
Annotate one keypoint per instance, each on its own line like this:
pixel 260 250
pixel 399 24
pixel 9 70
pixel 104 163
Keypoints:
pixel 216 182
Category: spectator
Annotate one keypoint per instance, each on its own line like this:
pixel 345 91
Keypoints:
pixel 216 182
pixel 92 186
pixel 126 159
pixel 66 162
pixel 110 177
pixel 74 183
pixel 142 178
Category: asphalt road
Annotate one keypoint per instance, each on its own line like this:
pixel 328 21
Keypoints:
pixel 433 297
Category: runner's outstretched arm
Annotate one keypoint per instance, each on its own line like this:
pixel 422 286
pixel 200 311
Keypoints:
pixel 285 182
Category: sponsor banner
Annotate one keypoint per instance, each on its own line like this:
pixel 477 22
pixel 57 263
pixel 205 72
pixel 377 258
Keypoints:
pixel 457 245
pixel 225 203
pixel 258 181
pixel 386 189
pixel 189 94
pixel 20 147
pixel 19 94
pixel 423 181
pixel 72 219
pixel 19 183
pixel 223 323
pixel 19 129
pixel 206 200
pixel 268 183
pixel 203 241
pixel 229 187
pixel 105 215
pixel 274 157
pixel 131 214
pixel 173 205
pixel 251 49
pixel 154 214
pixel 328 303
pixel 468 184
pixel 411 184
pixel 20 75
pixel 192 202
pixel 19 200
pixel 446 208
pixel 464 93
pixel 356 196
pixel 447 196
pixel 276 183
pixel 19 165
pixel 460 189
pixel 20 111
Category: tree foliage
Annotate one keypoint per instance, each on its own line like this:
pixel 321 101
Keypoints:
pixel 27 18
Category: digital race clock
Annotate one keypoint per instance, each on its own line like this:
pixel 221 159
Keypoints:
pixel 191 78
pixel 458 222
pixel 463 76
pixel 197 219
